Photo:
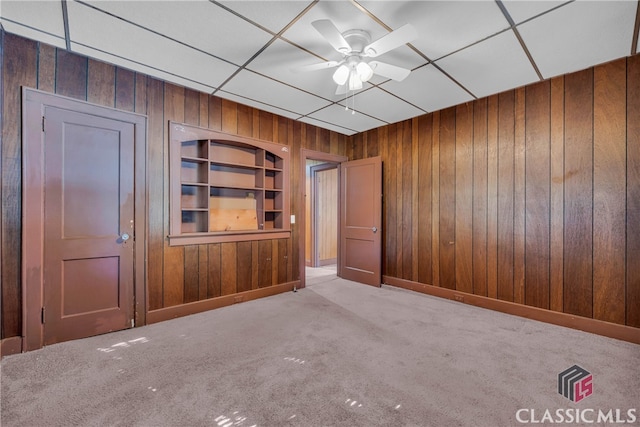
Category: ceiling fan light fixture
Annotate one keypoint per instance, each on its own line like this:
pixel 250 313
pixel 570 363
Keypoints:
pixel 365 72
pixel 341 75
pixel 354 82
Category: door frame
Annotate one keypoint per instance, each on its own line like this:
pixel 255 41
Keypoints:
pixel 34 103
pixel 306 154
pixel 315 256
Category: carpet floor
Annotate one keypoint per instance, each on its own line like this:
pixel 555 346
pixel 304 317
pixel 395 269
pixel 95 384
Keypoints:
pixel 336 353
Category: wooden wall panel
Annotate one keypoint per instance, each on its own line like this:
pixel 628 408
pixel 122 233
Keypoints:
pixel 609 191
pixel 537 203
pixel 590 164
pixel 479 206
pixel 506 147
pixel 633 193
pixel 464 198
pixel 425 171
pixel 19 67
pixel 447 206
pixel 407 200
pixel 578 188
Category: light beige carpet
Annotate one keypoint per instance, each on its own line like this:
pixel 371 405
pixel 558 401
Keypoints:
pixel 334 354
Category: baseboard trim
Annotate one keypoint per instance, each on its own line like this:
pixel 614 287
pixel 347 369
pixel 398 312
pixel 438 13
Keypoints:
pixel 168 313
pixel 12 345
pixel 599 327
pixel 329 261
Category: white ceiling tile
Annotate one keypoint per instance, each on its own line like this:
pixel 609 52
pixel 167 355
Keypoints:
pixel 521 10
pixel 273 15
pixel 382 105
pixel 37 20
pixel 494 65
pixel 579 35
pixel 253 86
pixel 141 68
pixel 443 26
pixel 105 33
pixel 280 61
pixel 327 125
pixel 429 89
pixel 190 22
pixel 348 119
pixel 257 104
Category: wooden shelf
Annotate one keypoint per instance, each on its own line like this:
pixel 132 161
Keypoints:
pixel 226 187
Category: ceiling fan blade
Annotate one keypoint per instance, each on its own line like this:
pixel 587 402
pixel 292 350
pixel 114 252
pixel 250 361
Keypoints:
pixel 317 66
pixel 341 90
pixel 390 71
pixel 332 34
pixel 394 39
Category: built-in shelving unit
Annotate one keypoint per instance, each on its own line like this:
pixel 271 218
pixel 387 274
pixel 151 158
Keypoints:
pixel 226 187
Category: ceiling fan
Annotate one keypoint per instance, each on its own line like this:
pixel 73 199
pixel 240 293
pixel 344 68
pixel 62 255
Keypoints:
pixel 356 46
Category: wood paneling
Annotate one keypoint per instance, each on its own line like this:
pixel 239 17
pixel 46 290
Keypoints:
pixel 512 181
pixel 578 193
pixel 633 193
pixel 537 202
pixel 175 275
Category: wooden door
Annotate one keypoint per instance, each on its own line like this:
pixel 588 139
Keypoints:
pixel 88 225
pixel 361 220
pixel 324 214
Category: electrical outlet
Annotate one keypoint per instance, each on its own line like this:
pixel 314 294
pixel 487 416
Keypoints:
pixel 459 298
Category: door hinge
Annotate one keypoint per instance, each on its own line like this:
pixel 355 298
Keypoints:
pixel 42 316
pixel 42 123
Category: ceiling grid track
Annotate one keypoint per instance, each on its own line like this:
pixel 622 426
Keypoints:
pixel 636 31
pixel 65 20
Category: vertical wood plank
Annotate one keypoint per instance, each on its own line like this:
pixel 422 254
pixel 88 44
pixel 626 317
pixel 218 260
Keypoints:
pixel 283 260
pixel 519 197
pixel 435 199
pixel 424 188
pixel 71 75
pixel 245 120
pixel 266 126
pixel 323 142
pixel 275 262
pixel 537 203
pixel 155 188
pixel 415 196
pixel 215 113
pixel 264 263
pixel 229 268
pixel 633 192
pixel 556 250
pixel 214 282
pixel 140 94
pixel 125 89
pixel 191 107
pixel 448 198
pixel 479 217
pixel 578 188
pixel 174 102
pixel 46 67
pixel 390 189
pixel 203 271
pixel 101 83
pixel 464 198
pixel 244 261
pixel 19 67
pixel 407 201
pixel 254 265
pixel 228 116
pixel 609 191
pixel 398 147
pixel 373 149
pixel 203 120
pixel 386 195
pixel 506 130
pixel 492 196
pixel 191 273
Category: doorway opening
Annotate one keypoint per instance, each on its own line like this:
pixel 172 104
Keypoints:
pixel 319 219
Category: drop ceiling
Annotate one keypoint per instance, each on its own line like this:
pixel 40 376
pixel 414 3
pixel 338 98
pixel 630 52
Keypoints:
pixel 246 51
